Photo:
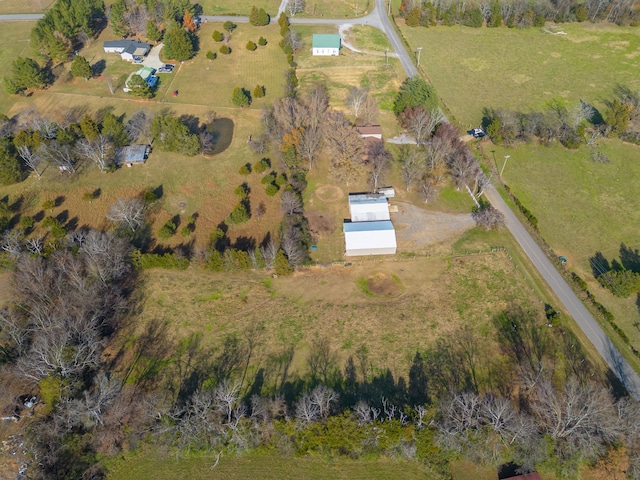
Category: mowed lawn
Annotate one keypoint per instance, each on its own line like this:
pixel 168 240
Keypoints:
pixel 268 467
pixel 238 7
pixel 523 69
pixel 14 42
pixel 337 8
pixel 24 6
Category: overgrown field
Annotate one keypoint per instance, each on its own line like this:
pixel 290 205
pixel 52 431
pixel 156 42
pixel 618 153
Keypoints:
pixel 14 42
pixel 523 69
pixel 391 308
pixel 268 466
pixel 337 8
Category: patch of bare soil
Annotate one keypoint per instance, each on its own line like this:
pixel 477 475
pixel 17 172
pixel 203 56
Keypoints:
pixel 321 223
pixel 417 229
pixel 383 285
pixel 329 193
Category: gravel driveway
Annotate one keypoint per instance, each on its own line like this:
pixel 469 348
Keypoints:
pixel 417 228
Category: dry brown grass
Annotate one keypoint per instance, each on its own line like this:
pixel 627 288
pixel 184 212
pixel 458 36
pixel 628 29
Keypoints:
pixel 393 307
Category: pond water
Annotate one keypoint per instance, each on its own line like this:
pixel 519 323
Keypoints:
pixel 222 130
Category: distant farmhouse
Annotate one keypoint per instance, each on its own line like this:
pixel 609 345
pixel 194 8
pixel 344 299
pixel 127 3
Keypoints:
pixel 326 44
pixel 132 155
pixel 127 48
pixel 370 131
pixel 370 231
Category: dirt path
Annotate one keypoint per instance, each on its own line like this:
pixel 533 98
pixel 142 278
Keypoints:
pixel 417 228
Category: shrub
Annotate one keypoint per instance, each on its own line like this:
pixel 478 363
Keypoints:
pixel 225 50
pixel 281 180
pixel 50 222
pixel 267 179
pixel 167 230
pixel 155 260
pixel 58 231
pixel 149 197
pixel 261 166
pixel 88 196
pixel 186 230
pixel 27 222
pixel 282 265
pixel 245 169
pixel 262 41
pixel 217 36
pixel 214 261
pixel 211 55
pixel 251 46
pixel 413 18
pixel 258 92
pixel 271 189
pixel 238 215
pixel 48 205
pixel 242 191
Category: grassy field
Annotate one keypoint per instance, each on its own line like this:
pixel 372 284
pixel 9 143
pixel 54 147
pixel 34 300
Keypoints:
pixel 152 467
pixel 14 42
pixel 474 68
pixel 582 207
pixel 337 8
pixel 22 6
pixel 235 7
pixel 394 306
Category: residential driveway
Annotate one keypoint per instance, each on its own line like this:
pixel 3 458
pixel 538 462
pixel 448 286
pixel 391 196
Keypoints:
pixel 153 59
pixel 419 230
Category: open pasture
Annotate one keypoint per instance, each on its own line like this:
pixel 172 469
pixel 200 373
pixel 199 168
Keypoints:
pixel 523 69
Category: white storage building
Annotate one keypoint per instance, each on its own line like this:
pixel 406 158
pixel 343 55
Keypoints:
pixel 369 238
pixel 368 207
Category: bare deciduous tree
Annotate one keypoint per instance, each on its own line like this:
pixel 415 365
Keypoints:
pixel 100 151
pixel 356 98
pixel 59 154
pixel 489 218
pixel 411 165
pixel 346 145
pixel 378 161
pixel 290 202
pixel 420 122
pixel 129 212
pixel 139 127
pixel 295 6
pixel 31 159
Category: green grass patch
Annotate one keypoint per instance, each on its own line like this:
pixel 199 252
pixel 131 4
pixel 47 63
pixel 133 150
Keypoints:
pixel 337 8
pixel 142 466
pixel 363 286
pixel 14 42
pixel 524 69
pixel 238 7
pixel 369 38
pixel 23 6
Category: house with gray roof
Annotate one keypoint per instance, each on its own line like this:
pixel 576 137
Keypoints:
pixel 127 48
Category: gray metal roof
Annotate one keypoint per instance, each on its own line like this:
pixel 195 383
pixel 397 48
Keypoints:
pixel 367 226
pixel 367 198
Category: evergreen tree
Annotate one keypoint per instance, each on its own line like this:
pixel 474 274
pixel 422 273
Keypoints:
pixel 240 97
pixel 178 43
pixel 282 265
pixel 217 36
pixel 258 17
pixel 138 87
pixel 10 171
pixel 113 128
pixel 89 128
pixel 229 26
pixel 251 46
pixel 413 92
pixel 174 136
pixel 258 92
pixel 27 74
pixel 80 68
pixel 154 34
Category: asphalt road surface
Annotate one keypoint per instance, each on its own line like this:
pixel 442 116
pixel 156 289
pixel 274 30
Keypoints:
pixel 572 304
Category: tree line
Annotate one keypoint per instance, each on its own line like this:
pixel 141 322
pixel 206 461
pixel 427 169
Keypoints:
pixel 517 13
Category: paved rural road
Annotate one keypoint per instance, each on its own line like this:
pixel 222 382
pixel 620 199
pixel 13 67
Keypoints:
pixel 18 17
pixel 572 304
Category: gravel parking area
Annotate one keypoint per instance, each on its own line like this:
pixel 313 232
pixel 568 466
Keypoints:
pixel 417 229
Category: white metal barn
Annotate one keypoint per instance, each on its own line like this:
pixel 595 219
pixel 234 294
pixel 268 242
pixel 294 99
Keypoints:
pixel 368 207
pixel 369 238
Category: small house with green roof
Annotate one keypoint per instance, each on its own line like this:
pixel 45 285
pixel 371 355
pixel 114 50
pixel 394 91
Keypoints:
pixel 327 44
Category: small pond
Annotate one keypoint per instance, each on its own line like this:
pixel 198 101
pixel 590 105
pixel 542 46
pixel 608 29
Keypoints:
pixel 222 131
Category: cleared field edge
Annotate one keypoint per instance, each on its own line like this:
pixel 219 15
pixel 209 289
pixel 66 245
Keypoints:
pixel 613 336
